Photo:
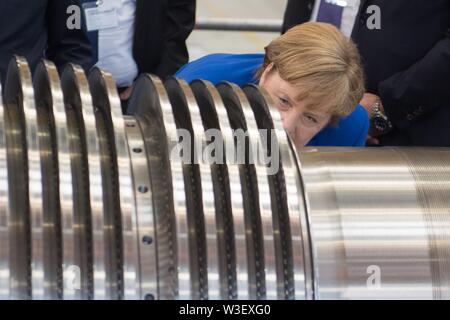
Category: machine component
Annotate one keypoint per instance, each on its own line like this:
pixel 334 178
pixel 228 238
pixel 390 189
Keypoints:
pixel 379 231
pixel 97 205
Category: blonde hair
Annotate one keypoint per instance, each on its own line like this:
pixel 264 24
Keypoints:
pixel 321 61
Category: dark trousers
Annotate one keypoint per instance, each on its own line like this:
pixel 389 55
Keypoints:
pixel 123 103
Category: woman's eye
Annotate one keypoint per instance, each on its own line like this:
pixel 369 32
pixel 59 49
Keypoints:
pixel 311 119
pixel 284 102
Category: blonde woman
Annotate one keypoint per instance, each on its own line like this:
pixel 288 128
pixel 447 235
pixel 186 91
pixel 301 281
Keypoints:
pixel 313 74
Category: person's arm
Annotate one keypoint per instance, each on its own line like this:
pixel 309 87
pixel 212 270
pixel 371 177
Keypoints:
pixel 64 45
pixel 420 89
pixel 297 12
pixel 179 23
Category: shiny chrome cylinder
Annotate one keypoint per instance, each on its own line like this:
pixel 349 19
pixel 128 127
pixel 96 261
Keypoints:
pixel 379 221
pixel 199 194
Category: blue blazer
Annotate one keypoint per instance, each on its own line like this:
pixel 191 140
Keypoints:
pixel 351 131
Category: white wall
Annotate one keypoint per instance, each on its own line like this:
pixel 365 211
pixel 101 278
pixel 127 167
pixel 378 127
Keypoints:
pixel 201 43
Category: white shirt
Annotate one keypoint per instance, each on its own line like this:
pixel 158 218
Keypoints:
pixel 115 45
pixel 348 15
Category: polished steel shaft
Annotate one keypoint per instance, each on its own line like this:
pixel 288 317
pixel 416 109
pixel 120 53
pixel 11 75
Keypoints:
pixel 94 204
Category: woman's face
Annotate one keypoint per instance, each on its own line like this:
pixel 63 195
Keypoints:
pixel 299 122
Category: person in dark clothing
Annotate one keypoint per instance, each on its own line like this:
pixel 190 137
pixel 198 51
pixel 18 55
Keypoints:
pixel 39 29
pixel 406 60
pixel 139 36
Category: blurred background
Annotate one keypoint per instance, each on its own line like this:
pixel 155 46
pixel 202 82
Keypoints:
pixel 202 42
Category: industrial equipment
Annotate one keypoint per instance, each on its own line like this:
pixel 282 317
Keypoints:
pixel 97 205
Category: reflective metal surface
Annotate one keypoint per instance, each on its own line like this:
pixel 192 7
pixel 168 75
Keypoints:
pixel 122 215
pixel 379 231
pixel 146 232
pixel 58 224
pixel 18 96
pixel 205 281
pixel 153 111
pixel 4 211
pixel 228 195
pixel 86 167
pixel 292 201
pixel 98 205
pixel 258 221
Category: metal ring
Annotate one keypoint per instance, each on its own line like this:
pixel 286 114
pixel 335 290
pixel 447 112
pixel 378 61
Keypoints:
pixel 5 291
pixel 262 105
pixel 305 223
pixel 228 200
pixel 144 206
pixel 187 114
pixel 86 161
pixel 59 235
pixel 195 222
pixel 25 195
pixel 257 203
pixel 269 155
pixel 152 108
pixel 125 262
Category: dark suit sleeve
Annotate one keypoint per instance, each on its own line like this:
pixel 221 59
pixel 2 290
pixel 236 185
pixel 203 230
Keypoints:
pixel 297 12
pixel 420 89
pixel 179 23
pixel 64 45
